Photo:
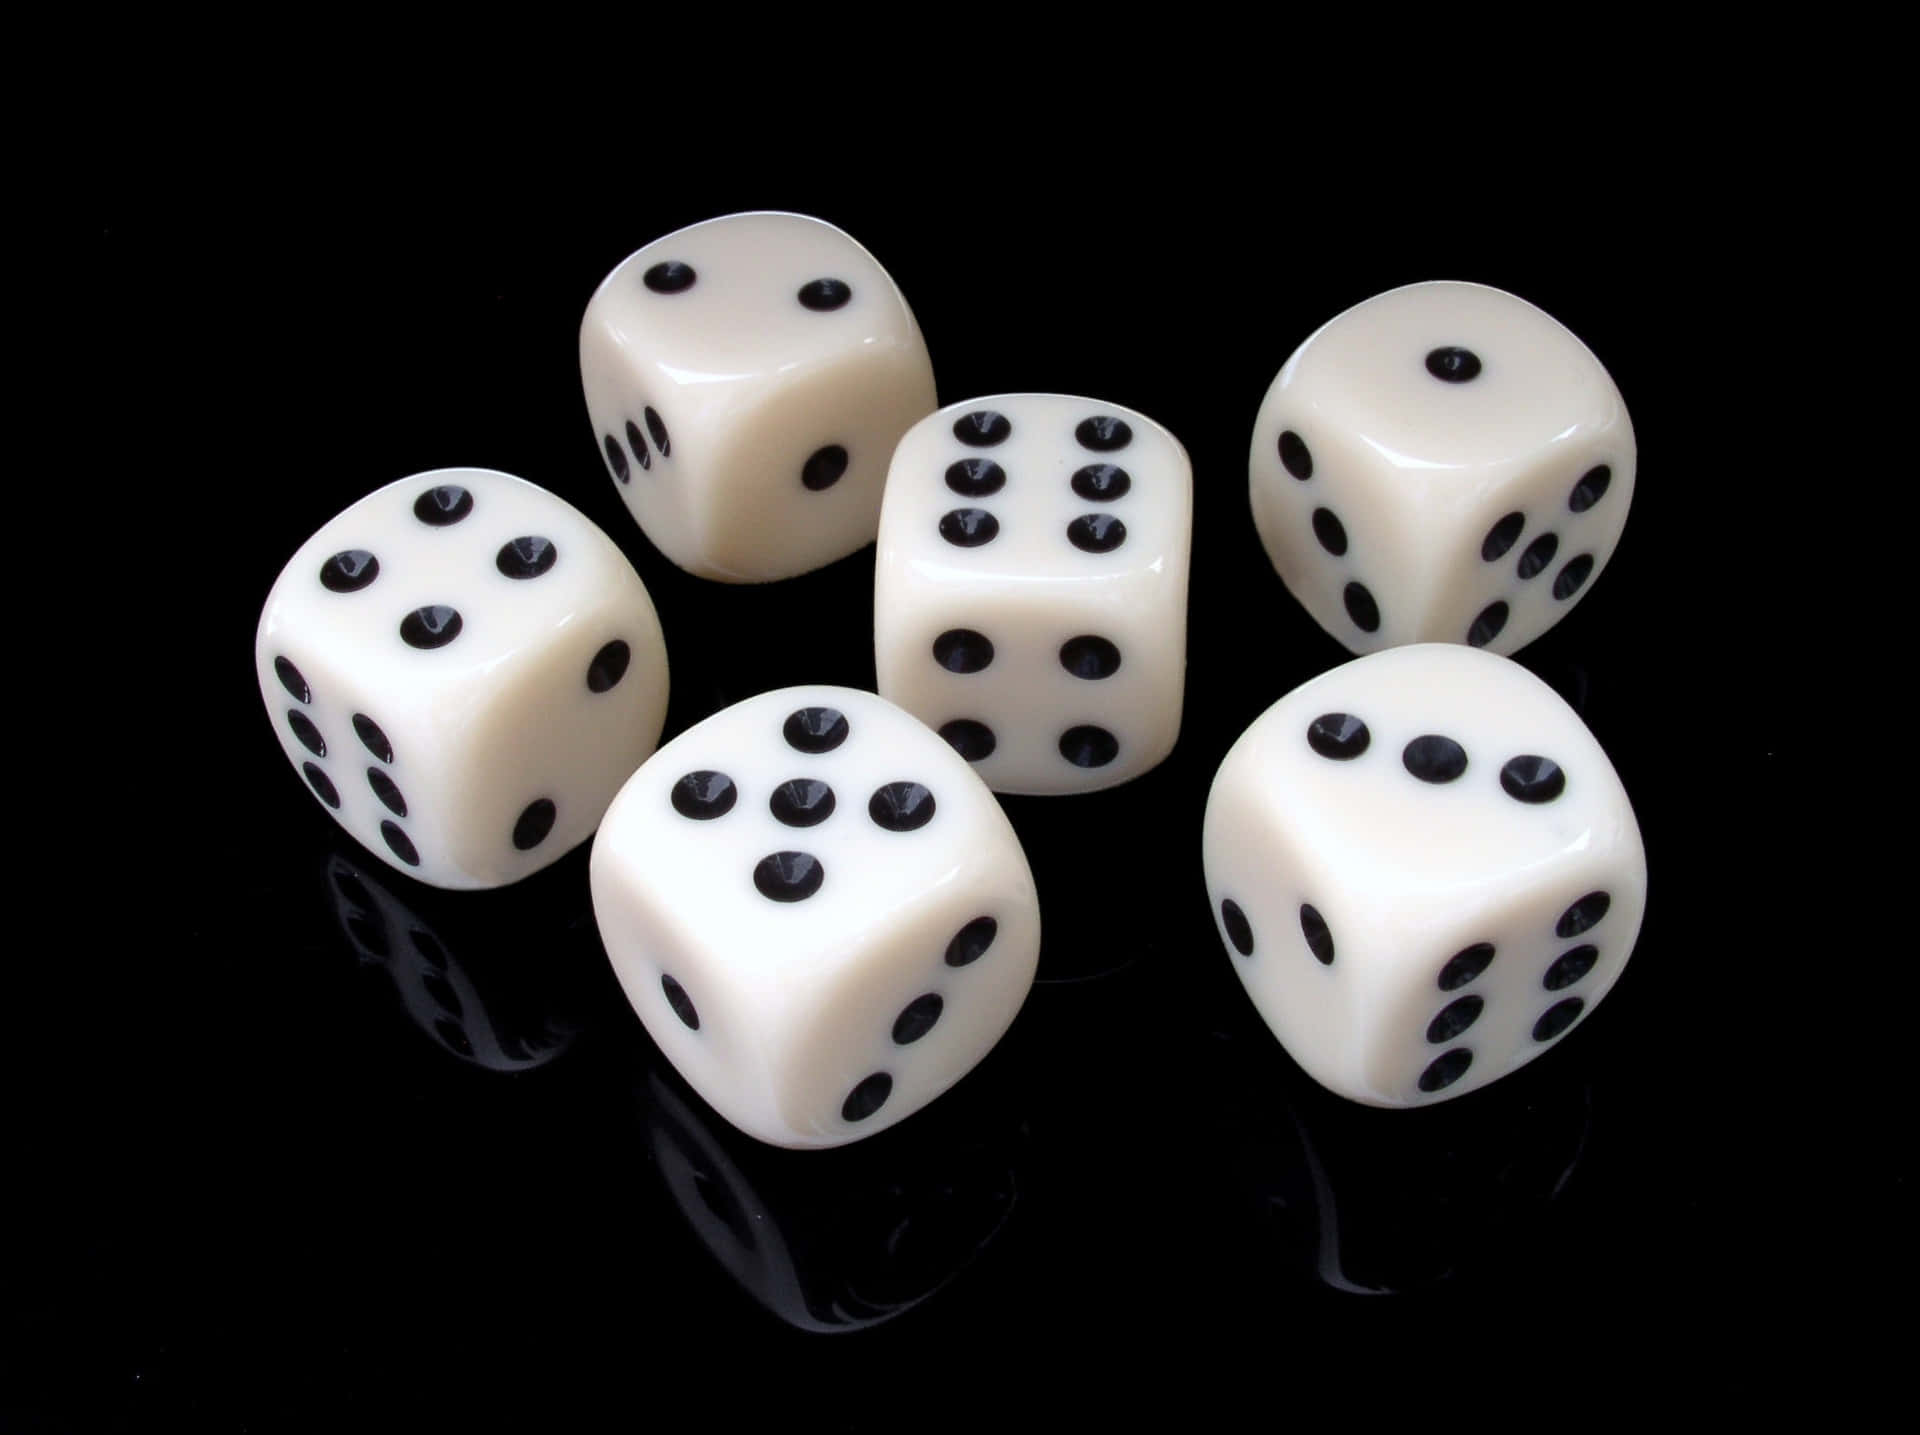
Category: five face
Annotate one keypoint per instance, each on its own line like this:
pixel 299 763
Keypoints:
pixel 818 911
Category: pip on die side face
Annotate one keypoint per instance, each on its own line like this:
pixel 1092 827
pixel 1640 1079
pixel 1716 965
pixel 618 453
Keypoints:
pixel 747 379
pixel 1030 595
pixel 1442 463
pixel 1425 871
pixel 820 914
pixel 464 669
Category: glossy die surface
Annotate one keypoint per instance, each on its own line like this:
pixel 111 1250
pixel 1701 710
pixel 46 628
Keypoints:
pixel 1425 870
pixel 747 379
pixel 1443 463
pixel 1030 598
pixel 818 911
pixel 463 669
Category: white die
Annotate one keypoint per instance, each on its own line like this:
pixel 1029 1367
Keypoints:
pixel 464 669
pixel 747 379
pixel 1425 870
pixel 1443 463
pixel 818 911
pixel 1030 595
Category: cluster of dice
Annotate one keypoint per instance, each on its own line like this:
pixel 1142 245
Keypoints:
pixel 1423 866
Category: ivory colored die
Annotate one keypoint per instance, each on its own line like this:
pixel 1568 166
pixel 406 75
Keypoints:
pixel 1443 463
pixel 464 669
pixel 820 914
pixel 1030 594
pixel 747 379
pixel 1425 871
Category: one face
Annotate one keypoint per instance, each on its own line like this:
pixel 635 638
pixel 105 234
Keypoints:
pixel 1444 462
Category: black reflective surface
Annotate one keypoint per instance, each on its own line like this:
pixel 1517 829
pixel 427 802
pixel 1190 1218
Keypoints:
pixel 311 1145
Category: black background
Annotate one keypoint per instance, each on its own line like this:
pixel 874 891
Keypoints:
pixel 264 1192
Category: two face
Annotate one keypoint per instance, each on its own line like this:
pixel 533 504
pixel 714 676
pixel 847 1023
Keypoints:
pixel 747 379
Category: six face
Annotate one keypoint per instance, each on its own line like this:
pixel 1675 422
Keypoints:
pixel 812 899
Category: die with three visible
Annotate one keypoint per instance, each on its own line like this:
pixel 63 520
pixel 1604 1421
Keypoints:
pixel 1424 870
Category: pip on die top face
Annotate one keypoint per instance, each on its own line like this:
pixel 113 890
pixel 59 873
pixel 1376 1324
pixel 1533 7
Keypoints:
pixel 818 911
pixel 1442 463
pixel 464 669
pixel 747 379
pixel 1030 594
pixel 1425 871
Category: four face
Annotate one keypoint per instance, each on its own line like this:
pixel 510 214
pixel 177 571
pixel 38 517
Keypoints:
pixel 459 622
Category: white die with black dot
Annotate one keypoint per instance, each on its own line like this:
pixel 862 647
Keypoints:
pixel 747 379
pixel 1442 463
pixel 818 911
pixel 464 669
pixel 1424 869
pixel 1030 592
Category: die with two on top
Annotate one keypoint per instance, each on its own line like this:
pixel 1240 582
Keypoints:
pixel 464 669
pixel 747 379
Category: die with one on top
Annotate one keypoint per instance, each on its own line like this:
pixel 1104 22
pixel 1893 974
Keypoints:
pixel 747 379
pixel 464 669
pixel 1030 588
pixel 817 910
pixel 1425 871
pixel 1442 463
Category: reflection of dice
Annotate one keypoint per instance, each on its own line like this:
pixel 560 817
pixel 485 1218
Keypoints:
pixel 465 669
pixel 747 379
pixel 1030 599
pixel 819 912
pixel 1371 1205
pixel 1443 463
pixel 1425 870
pixel 490 1024
pixel 831 1247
